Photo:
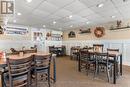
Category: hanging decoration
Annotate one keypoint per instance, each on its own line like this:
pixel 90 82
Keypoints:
pixel 71 34
pixel 99 32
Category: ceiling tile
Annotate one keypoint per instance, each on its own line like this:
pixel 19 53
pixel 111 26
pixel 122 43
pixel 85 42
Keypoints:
pixel 48 7
pixel 40 13
pixel 75 6
pixel 60 3
pixel 90 3
pixel 63 13
pixel 85 12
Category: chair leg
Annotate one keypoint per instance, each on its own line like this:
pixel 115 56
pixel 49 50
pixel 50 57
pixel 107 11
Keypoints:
pixel 108 75
pixel 49 78
pixel 35 79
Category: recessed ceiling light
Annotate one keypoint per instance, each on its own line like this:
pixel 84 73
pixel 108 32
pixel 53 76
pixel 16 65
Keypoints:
pixel 70 16
pixel 44 26
pixel 14 21
pixel 19 13
pixel 100 5
pixel 113 16
pixel 29 1
pixel 54 22
pixel 87 22
pixel 60 28
pixel 71 25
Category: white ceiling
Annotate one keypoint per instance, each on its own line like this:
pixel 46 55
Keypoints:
pixel 44 12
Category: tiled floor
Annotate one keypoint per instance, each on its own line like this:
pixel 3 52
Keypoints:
pixel 68 76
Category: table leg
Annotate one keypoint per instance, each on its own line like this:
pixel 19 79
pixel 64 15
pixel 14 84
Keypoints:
pixel 121 65
pixel 79 67
pixel 54 68
pixel 114 73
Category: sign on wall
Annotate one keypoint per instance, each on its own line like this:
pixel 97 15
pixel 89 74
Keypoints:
pixel 6 7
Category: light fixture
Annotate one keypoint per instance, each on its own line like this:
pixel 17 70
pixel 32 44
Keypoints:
pixel 100 5
pixel 29 1
pixel 19 13
pixel 54 22
pixel 87 22
pixel 70 16
pixel 44 26
pixel 113 16
pixel 71 25
pixel 14 21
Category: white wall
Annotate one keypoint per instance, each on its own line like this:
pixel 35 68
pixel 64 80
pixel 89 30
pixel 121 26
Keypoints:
pixel 123 45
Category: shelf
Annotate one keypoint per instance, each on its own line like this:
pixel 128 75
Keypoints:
pixel 120 28
pixel 85 31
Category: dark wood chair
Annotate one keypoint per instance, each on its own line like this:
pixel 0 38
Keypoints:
pixel 102 61
pixel 73 52
pixel 87 60
pixel 42 65
pixel 112 60
pixel 98 47
pixel 19 72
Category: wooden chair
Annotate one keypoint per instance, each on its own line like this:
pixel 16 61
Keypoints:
pixel 87 60
pixel 73 52
pixel 98 47
pixel 112 60
pixel 42 65
pixel 19 72
pixel 102 60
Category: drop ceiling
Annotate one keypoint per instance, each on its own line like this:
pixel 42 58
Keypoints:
pixel 43 12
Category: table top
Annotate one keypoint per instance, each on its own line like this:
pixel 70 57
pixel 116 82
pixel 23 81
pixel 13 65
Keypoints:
pixel 111 53
pixel 3 60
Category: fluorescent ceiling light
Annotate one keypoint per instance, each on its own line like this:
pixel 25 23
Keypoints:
pixel 100 5
pixel 19 13
pixel 29 1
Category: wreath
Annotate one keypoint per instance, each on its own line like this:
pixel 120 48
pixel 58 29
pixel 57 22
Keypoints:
pixel 99 32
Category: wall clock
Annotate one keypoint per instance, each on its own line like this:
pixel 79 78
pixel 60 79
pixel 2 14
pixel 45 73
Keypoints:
pixel 99 32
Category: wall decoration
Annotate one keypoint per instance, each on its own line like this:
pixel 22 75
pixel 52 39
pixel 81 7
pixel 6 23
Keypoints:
pixel 119 23
pixel 1 30
pixel 71 34
pixel 15 30
pixel 53 36
pixel 85 31
pixel 37 36
pixel 99 32
pixel 119 26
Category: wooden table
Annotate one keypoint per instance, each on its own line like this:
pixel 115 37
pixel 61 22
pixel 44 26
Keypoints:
pixel 115 55
pixel 3 63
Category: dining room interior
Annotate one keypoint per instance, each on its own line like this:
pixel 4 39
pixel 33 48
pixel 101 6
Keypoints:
pixel 64 43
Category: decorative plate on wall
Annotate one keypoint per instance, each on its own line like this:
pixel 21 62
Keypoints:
pixel 99 32
pixel 71 34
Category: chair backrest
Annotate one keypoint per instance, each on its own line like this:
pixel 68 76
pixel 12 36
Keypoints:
pixel 19 68
pixel 84 55
pixel 102 57
pixel 98 47
pixel 112 50
pixel 42 61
